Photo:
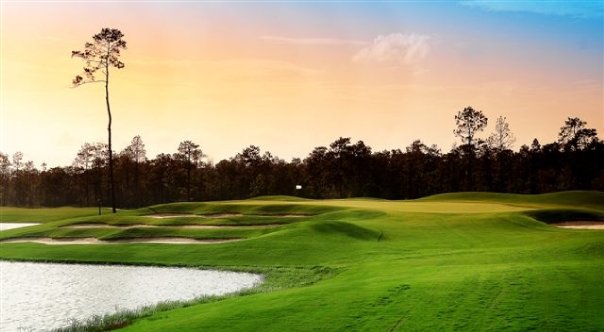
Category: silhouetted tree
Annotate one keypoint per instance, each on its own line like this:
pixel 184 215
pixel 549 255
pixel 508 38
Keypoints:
pixel 251 166
pixel 418 168
pixel 136 154
pixel 17 160
pixel 339 153
pixel 535 145
pixel 502 138
pixel 191 153
pixel 136 150
pixel 469 122
pixel 575 136
pixel 100 55
pixel 342 170
pixel 317 181
pixel 4 178
pixel 88 164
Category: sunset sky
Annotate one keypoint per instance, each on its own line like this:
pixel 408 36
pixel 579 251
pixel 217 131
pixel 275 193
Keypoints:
pixel 290 76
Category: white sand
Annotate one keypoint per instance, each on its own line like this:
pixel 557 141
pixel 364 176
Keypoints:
pixel 11 225
pixel 96 226
pixel 581 224
pixel 162 216
pixel 222 215
pixel 92 240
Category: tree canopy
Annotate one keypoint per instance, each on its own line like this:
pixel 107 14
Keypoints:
pixel 343 168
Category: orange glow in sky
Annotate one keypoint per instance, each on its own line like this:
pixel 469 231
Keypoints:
pixel 292 76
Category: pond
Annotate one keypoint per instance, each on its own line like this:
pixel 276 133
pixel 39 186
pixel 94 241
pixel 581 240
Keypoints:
pixel 10 225
pixel 41 296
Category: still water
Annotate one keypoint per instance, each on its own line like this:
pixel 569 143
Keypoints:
pixel 40 296
pixel 10 225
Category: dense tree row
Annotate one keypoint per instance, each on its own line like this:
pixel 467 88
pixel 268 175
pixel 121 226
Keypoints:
pixel 342 169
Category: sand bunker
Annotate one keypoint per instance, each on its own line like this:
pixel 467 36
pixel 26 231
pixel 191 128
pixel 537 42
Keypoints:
pixel 226 226
pixel 286 215
pixel 96 226
pixel 183 215
pixel 92 240
pixel 581 224
pixel 222 215
pixel 162 216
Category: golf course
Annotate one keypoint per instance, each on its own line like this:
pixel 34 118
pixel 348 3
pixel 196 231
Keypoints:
pixel 463 261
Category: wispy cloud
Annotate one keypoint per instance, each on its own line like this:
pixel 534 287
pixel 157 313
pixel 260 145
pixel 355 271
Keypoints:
pixel 312 41
pixel 577 9
pixel 396 48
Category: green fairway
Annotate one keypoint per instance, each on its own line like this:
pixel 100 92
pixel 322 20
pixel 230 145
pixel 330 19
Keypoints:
pixel 12 214
pixel 468 261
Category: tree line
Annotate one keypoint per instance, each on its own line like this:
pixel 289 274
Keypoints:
pixel 342 169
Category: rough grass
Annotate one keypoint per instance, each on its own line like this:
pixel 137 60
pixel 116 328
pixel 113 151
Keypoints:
pixel 441 263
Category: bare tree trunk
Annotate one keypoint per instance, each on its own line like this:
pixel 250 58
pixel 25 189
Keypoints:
pixel 111 185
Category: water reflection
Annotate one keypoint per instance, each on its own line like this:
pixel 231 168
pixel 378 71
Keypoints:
pixel 37 296
pixel 10 225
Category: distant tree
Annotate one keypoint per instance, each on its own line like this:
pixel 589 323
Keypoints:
pixel 342 169
pixel 339 153
pixel 161 178
pixel 502 138
pixel 88 163
pixel 18 160
pixel 469 122
pixel 360 179
pixel 191 153
pixel 575 136
pixel 4 178
pixel 535 146
pixel 418 146
pixel 85 156
pixel 250 156
pixel 318 180
pixel 31 181
pixel 418 168
pixel 100 55
pixel 4 163
pixel 253 169
pixel 136 153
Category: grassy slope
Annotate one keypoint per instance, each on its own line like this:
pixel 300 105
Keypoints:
pixel 12 214
pixel 583 199
pixel 445 263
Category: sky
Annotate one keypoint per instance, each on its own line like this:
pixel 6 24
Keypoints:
pixel 291 76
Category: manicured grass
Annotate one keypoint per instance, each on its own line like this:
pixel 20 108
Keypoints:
pixel 42 215
pixel 586 199
pixel 448 262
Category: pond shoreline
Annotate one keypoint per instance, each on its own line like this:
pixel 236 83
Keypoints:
pixel 83 291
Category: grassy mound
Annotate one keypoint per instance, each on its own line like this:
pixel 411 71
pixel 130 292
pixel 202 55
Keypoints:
pixel 284 198
pixel 586 199
pixel 469 261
